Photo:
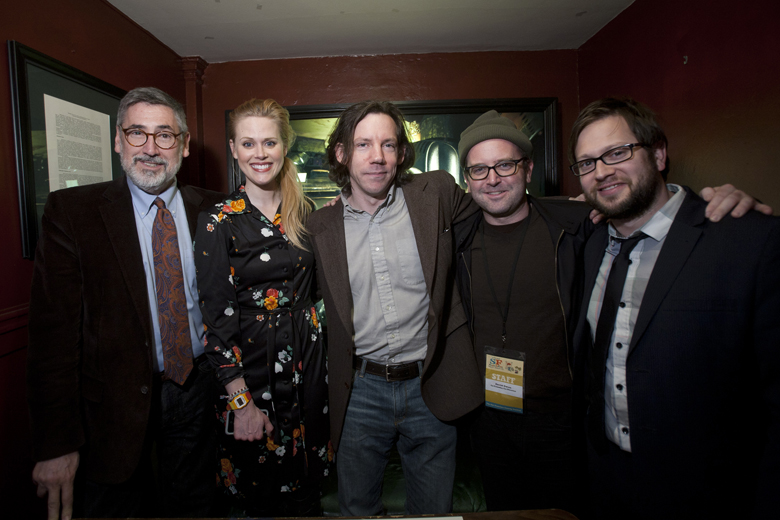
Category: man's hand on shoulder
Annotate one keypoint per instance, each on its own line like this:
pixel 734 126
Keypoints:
pixel 721 200
pixel 595 215
pixel 332 202
pixel 54 477
pixel 727 198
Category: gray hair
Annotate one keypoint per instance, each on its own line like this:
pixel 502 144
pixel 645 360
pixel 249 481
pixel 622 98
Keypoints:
pixel 151 96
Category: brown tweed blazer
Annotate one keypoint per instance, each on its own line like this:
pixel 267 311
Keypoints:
pixel 451 386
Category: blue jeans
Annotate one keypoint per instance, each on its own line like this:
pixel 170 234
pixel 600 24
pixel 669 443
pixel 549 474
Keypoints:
pixel 382 413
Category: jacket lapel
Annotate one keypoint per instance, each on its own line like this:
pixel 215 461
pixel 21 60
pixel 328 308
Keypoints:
pixel 193 205
pixel 594 253
pixel 118 216
pixel 678 246
pixel 332 247
pixel 424 211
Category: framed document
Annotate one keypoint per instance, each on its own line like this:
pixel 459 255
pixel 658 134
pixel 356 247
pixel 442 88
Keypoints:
pixel 64 129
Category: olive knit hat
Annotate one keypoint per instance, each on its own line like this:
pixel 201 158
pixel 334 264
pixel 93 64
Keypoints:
pixel 492 125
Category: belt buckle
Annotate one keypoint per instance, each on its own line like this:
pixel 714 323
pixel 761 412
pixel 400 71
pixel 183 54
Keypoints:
pixel 387 373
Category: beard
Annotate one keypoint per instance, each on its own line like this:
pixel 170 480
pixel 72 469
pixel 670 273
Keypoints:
pixel 148 180
pixel 642 197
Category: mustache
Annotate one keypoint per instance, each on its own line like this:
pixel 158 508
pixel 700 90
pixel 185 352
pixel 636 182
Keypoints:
pixel 150 159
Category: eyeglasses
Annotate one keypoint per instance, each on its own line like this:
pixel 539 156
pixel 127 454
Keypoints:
pixel 138 138
pixel 502 169
pixel 613 156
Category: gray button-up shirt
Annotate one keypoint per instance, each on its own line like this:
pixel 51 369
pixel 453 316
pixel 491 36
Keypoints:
pixel 389 295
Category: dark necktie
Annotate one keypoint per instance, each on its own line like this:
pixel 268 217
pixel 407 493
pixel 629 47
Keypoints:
pixel 612 295
pixel 171 301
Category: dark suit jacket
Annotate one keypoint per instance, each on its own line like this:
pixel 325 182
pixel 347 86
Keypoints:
pixel 451 386
pixel 703 369
pixel 89 369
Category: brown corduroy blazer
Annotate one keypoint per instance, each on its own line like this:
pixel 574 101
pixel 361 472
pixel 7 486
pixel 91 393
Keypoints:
pixel 90 370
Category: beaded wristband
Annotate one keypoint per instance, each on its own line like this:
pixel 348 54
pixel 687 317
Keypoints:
pixel 239 391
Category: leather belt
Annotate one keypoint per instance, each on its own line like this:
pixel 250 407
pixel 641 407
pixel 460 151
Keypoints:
pixel 388 372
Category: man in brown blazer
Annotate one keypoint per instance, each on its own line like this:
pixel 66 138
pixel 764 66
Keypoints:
pixel 400 361
pixel 99 397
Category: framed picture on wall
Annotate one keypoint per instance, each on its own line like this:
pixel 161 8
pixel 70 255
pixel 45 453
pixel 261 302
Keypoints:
pixel 434 128
pixel 64 129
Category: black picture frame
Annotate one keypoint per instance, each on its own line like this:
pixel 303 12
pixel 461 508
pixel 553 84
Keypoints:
pixel 546 181
pixel 33 74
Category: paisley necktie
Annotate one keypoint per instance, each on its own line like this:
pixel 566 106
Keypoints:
pixel 171 301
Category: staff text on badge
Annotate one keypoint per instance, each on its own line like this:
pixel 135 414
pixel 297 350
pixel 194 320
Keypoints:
pixel 504 379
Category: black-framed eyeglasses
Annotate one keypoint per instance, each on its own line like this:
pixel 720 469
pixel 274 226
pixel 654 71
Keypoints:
pixel 503 169
pixel 137 137
pixel 613 156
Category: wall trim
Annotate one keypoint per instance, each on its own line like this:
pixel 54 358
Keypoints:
pixel 12 318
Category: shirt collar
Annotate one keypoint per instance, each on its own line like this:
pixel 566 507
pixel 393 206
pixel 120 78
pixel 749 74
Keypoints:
pixel 143 201
pixel 395 193
pixel 659 224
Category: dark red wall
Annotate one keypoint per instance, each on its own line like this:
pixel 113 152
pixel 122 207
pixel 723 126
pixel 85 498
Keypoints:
pixel 95 38
pixel 721 112
pixel 721 109
pixel 310 81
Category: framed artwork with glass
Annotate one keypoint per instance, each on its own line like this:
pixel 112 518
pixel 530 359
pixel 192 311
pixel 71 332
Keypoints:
pixel 434 127
pixel 64 124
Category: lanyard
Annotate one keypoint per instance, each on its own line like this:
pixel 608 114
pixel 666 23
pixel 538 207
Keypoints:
pixel 505 311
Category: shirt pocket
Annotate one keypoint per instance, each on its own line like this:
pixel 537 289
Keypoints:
pixel 409 259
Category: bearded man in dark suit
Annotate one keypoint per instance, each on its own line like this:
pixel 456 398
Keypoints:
pixel 114 361
pixel 678 343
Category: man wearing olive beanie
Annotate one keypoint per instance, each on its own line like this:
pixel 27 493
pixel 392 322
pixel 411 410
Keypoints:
pixel 516 265
pixel 492 125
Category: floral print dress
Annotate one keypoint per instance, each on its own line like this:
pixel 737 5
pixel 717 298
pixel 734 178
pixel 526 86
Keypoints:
pixel 256 298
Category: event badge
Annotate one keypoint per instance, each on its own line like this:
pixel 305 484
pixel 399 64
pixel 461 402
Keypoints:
pixel 504 379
